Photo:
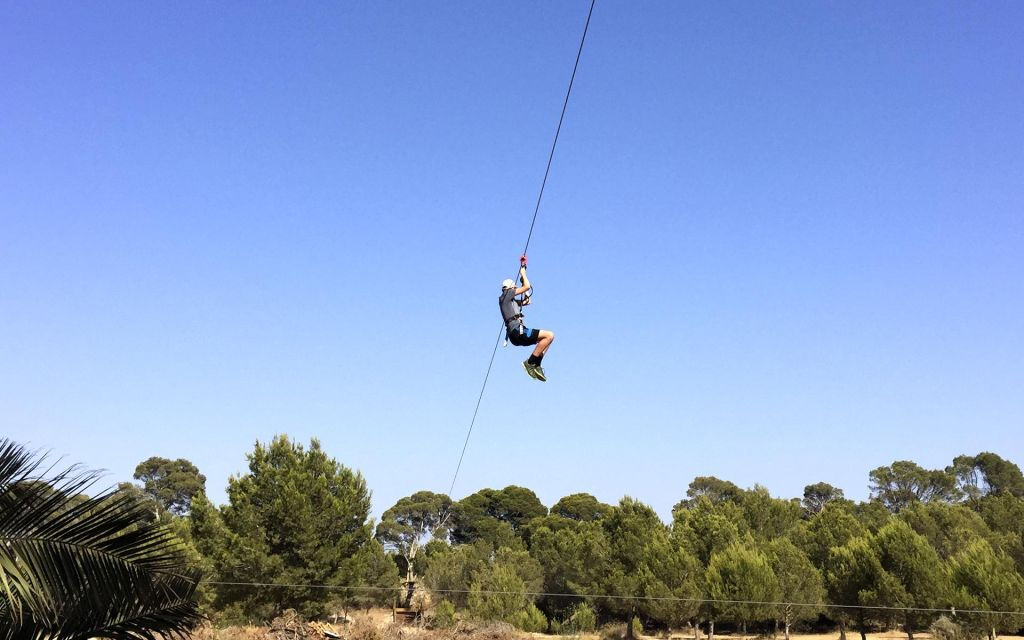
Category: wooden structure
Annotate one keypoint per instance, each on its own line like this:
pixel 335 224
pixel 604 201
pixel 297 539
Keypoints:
pixel 403 611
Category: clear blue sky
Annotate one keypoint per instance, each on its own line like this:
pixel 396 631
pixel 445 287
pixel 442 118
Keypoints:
pixel 781 242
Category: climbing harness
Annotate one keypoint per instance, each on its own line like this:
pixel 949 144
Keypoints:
pixel 511 307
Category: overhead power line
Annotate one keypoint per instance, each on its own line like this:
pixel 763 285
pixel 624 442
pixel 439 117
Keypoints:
pixel 609 596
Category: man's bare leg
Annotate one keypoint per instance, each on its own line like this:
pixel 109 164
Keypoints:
pixel 546 337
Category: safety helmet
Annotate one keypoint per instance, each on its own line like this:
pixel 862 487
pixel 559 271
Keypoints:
pixel 507 283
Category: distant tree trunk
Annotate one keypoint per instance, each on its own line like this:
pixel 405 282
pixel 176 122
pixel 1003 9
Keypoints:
pixel 908 629
pixel 743 629
pixel 775 629
pixel 787 628
pixel 629 625
pixel 992 634
pixel 862 625
pixel 711 630
pixel 842 629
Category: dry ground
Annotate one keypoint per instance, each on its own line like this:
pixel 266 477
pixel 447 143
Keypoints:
pixel 261 633
pixel 377 625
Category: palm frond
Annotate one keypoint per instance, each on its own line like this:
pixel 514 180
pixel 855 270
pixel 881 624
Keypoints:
pixel 77 566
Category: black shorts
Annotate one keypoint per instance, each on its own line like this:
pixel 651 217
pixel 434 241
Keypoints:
pixel 523 337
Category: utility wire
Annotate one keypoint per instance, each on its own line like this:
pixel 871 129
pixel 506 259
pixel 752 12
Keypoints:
pixel 609 596
pixel 529 236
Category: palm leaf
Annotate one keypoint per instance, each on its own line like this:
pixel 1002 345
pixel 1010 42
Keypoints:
pixel 73 566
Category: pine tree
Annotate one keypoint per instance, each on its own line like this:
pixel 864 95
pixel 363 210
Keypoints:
pixel 297 517
pixel 742 573
pixel 986 580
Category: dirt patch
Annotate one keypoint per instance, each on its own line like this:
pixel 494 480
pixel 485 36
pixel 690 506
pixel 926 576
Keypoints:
pixel 377 625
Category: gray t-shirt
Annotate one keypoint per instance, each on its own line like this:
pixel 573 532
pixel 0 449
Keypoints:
pixel 510 308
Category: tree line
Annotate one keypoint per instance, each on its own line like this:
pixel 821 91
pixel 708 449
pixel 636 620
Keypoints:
pixel 928 543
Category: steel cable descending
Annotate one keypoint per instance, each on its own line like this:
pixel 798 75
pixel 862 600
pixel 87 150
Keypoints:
pixel 526 247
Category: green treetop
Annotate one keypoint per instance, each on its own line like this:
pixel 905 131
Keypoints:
pixel 799 582
pixel 172 483
pixel 741 572
pixel 298 517
pixel 413 520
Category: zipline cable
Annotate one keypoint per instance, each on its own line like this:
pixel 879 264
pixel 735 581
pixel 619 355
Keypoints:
pixel 472 422
pixel 610 596
pixel 529 236
pixel 561 118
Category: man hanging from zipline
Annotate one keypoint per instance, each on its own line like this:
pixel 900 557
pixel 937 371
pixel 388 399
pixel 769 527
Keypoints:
pixel 515 330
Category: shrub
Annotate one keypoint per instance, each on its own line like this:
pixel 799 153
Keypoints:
pixel 531 619
pixel 583 619
pixel 364 628
pixel 487 631
pixel 444 615
pixel 498 594
pixel 612 632
pixel 946 629
pixel 618 631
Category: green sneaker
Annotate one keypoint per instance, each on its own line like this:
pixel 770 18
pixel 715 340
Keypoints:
pixel 530 369
pixel 538 373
